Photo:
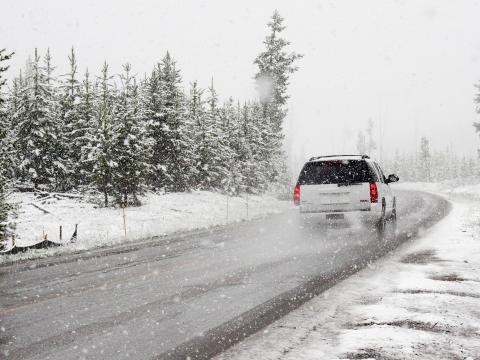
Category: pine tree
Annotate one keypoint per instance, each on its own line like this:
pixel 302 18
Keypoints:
pixel 86 131
pixel 7 226
pixel 209 142
pixel 36 131
pixel 73 129
pixel 152 104
pixel 101 152
pixel 176 162
pixel 196 114
pixel 14 100
pixel 246 157
pixel 57 153
pixel 131 146
pixel 218 141
pixel 229 124
pixel 275 66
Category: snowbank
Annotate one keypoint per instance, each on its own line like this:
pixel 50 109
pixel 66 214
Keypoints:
pixel 420 303
pixel 159 215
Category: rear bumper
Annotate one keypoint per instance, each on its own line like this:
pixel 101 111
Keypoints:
pixel 371 214
pixel 353 217
pixel 316 211
pixel 340 208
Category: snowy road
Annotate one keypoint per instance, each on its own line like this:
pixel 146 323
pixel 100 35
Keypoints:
pixel 198 291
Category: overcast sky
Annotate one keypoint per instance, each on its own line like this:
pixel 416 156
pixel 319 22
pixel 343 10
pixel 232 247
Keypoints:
pixel 408 65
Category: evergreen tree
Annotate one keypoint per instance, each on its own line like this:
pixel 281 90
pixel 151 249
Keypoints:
pixel 36 132
pixel 218 141
pixel 131 146
pixel 57 154
pixel 257 137
pixel 246 154
pixel 209 140
pixel 275 66
pixel 86 131
pixel 73 128
pixel 229 124
pixel 152 104
pixel 101 152
pixel 196 114
pixel 7 226
pixel 14 101
pixel 176 170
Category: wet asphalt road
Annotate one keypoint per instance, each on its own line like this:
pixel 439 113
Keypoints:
pixel 189 295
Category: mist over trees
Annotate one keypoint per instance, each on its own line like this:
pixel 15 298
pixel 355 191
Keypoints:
pixel 119 135
pixel 424 164
pixel 427 165
pixel 366 143
pixel 430 165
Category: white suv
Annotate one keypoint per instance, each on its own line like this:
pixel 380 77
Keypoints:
pixel 338 185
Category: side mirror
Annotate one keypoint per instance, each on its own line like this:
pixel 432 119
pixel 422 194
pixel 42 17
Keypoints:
pixel 392 178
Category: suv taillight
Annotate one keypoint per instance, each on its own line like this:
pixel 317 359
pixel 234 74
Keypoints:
pixel 296 195
pixel 373 193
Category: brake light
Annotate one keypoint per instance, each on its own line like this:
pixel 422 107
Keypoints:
pixel 373 193
pixel 296 195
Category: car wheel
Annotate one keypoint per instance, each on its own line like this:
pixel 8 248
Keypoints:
pixel 382 223
pixel 392 225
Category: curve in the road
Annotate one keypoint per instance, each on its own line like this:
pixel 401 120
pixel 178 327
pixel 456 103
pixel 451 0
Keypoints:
pixel 224 336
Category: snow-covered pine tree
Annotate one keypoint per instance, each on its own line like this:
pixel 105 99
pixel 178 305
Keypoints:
pixel 86 131
pixel 247 149
pixel 131 146
pixel 196 114
pixel 101 152
pixel 58 154
pixel 14 100
pixel 242 149
pixel 36 129
pixel 275 65
pixel 152 105
pixel 73 129
pixel 208 146
pixel 7 226
pixel 230 125
pixel 257 137
pixel 176 170
pixel 219 143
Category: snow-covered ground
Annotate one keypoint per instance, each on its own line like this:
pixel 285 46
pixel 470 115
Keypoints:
pixel 422 302
pixel 159 215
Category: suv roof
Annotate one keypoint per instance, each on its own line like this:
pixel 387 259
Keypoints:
pixel 341 157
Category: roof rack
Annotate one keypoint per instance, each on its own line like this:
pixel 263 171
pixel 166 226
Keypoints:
pixel 329 156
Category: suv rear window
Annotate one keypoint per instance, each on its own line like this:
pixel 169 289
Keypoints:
pixel 335 172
